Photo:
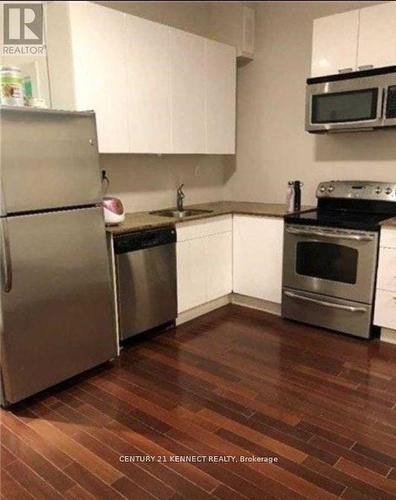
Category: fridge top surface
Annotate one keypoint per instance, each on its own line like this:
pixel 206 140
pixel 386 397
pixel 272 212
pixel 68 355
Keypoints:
pixel 48 159
pixel 24 109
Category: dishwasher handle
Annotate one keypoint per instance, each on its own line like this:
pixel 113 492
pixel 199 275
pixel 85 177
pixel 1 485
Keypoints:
pixel 139 240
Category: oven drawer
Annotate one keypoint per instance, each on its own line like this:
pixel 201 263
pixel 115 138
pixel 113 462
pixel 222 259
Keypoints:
pixel 320 310
pixel 387 269
pixel 385 309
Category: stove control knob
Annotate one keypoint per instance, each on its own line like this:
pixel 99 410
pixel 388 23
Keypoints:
pixel 388 190
pixel 330 189
pixel 322 189
pixel 378 190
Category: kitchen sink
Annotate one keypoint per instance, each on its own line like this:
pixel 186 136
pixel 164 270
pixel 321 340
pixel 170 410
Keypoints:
pixel 180 214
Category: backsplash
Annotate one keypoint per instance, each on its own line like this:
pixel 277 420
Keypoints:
pixel 149 182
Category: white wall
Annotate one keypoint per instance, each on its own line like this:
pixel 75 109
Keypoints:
pixel 148 182
pixel 185 15
pixel 272 146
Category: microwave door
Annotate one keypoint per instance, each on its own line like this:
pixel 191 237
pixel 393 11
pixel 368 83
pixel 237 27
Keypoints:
pixel 343 106
pixel 390 104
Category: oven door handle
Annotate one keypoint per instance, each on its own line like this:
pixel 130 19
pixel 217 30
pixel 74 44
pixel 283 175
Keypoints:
pixel 325 303
pixel 336 236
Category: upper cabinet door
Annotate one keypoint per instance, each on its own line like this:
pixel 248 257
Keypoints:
pixel 335 41
pixel 220 73
pixel 148 68
pixel 188 92
pixel 99 64
pixel 377 36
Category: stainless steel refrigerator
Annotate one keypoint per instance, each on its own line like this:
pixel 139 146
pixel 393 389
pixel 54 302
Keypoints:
pixel 56 302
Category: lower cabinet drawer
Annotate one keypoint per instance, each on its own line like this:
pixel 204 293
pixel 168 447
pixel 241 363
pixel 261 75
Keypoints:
pixel 200 228
pixel 388 237
pixel 385 309
pixel 387 269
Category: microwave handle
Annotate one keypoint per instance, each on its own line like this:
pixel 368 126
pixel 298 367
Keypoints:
pixel 384 101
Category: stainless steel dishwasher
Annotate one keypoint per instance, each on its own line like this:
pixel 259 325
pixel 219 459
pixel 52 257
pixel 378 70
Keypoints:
pixel 146 279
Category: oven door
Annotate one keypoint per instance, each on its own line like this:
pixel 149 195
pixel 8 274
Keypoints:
pixel 345 105
pixel 336 262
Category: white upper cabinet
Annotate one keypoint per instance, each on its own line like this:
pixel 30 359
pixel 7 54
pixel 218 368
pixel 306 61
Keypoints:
pixel 95 75
pixel 334 41
pixel 188 92
pixel 220 75
pixel 377 36
pixel 148 68
pixel 356 40
pixel 154 89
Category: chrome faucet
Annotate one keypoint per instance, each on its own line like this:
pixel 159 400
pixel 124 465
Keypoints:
pixel 180 198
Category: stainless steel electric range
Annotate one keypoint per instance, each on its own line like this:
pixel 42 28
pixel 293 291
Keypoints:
pixel 330 256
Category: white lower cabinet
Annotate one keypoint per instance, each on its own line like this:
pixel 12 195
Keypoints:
pixel 204 261
pixel 191 275
pixel 385 309
pixel 217 256
pixel 154 89
pixel 385 300
pixel 257 257
pixel 219 265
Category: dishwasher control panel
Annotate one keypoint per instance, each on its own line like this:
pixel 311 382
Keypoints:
pixel 139 240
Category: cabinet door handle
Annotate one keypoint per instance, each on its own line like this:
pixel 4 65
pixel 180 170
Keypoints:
pixel 365 66
pixel 345 70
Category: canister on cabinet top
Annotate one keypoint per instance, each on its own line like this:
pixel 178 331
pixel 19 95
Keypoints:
pixel 11 86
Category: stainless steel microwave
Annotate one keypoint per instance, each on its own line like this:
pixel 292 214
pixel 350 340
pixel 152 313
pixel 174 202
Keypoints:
pixel 363 100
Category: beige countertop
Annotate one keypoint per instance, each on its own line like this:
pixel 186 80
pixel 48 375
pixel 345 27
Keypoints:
pixel 389 222
pixel 144 220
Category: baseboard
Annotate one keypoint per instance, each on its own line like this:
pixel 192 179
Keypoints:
pixel 253 303
pixel 195 312
pixel 388 335
pixel 233 298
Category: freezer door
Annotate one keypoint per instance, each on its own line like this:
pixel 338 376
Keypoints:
pixel 48 159
pixel 58 314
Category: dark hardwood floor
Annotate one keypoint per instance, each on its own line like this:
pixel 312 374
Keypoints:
pixel 235 382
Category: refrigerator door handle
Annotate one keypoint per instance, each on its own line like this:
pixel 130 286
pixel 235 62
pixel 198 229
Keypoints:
pixel 6 257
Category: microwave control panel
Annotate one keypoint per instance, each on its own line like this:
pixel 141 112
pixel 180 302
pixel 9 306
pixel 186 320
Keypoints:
pixel 391 102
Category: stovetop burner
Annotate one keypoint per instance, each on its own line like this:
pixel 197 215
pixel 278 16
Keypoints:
pixel 338 218
pixel 361 205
